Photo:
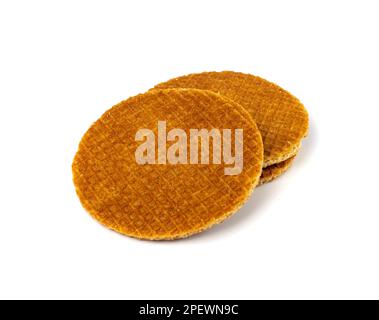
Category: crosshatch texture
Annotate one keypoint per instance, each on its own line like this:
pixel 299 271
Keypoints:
pixel 159 202
pixel 275 170
pixel 280 117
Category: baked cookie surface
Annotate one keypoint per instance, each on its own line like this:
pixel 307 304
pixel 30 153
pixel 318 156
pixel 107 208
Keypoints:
pixel 280 117
pixel 163 201
pixel 275 170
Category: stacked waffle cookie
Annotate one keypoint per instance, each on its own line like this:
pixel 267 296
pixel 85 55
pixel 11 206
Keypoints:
pixel 138 171
pixel 281 118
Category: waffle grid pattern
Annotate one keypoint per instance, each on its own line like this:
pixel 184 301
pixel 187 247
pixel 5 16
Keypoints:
pixel 281 118
pixel 275 170
pixel 163 201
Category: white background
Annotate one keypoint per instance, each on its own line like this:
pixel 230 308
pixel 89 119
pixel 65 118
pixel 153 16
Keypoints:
pixel 314 233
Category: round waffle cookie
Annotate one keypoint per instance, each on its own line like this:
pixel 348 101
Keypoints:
pixel 275 170
pixel 281 118
pixel 160 201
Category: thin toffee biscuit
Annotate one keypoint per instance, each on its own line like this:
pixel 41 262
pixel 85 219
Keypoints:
pixel 281 118
pixel 163 201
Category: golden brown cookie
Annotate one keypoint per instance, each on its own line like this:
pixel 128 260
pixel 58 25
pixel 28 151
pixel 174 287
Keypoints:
pixel 281 118
pixel 275 170
pixel 163 201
